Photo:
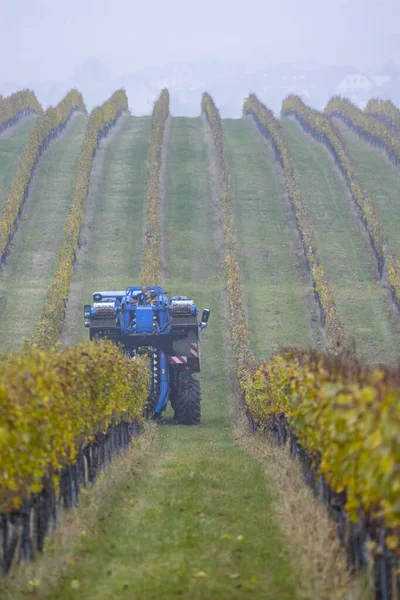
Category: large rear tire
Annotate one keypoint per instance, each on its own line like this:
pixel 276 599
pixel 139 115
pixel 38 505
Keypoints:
pixel 187 404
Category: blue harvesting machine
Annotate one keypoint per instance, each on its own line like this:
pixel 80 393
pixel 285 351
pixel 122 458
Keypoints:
pixel 143 319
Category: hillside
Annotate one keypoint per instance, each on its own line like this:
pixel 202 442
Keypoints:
pixel 211 511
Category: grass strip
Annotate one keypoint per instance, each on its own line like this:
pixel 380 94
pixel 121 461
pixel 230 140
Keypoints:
pixel 194 520
pixel 380 180
pixel 274 277
pixel 271 127
pixel 364 304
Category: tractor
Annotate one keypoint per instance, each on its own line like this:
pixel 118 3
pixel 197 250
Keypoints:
pixel 144 320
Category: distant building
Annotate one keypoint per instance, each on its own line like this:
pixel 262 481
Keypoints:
pixel 355 82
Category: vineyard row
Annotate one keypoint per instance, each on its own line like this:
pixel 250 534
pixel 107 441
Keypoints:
pixel 242 352
pixel 375 131
pixel 151 260
pixel 322 399
pixel 385 111
pixel 26 392
pixel 48 126
pixel 16 106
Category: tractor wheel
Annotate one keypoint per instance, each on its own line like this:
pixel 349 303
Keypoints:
pixel 187 409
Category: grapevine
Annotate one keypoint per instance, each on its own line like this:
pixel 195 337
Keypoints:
pixel 347 416
pixel 54 402
pixel 151 261
pixel 238 326
pixel 385 111
pixel 373 130
pixel 14 106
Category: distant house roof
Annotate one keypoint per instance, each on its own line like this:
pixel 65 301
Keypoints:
pixel 354 81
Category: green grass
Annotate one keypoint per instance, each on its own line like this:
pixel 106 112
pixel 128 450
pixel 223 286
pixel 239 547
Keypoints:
pixel 381 180
pixel 200 491
pixel 275 292
pixel 344 251
pixel 34 255
pixel 111 256
pixel 12 144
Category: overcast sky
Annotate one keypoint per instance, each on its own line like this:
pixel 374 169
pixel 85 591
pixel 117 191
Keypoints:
pixel 47 39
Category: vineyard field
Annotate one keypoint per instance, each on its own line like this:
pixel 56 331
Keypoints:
pixel 344 248
pixel 380 178
pixel 34 254
pixel 12 144
pixel 112 238
pixel 252 219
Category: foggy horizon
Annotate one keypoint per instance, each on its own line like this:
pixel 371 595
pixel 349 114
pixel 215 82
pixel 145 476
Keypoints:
pixel 42 40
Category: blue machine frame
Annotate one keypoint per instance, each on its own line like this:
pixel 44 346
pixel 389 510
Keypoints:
pixel 143 316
